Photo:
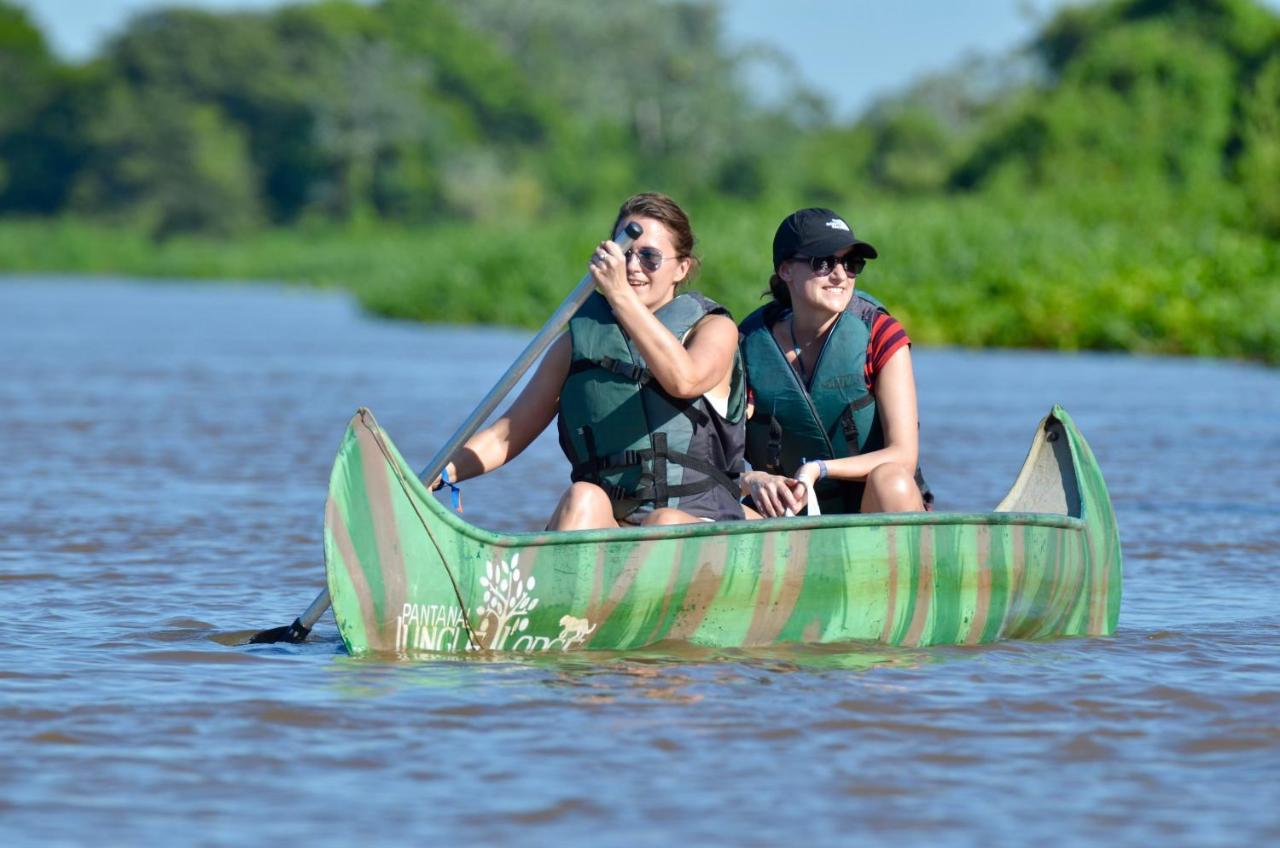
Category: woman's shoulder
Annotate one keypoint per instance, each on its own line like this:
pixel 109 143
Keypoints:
pixel 698 301
pixel 722 323
pixel 687 310
pixel 763 318
pixel 704 317
pixel 866 306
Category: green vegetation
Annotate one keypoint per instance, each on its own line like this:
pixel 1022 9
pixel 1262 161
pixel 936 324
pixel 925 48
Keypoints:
pixel 1114 186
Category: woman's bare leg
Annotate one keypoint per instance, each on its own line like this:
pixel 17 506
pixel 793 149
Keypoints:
pixel 892 488
pixel 584 506
pixel 667 515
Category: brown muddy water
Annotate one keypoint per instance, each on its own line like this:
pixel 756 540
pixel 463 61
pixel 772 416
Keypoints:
pixel 167 450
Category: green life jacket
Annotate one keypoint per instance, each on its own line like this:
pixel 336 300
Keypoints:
pixel 833 416
pixel 644 447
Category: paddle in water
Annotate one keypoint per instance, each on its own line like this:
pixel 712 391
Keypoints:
pixel 301 626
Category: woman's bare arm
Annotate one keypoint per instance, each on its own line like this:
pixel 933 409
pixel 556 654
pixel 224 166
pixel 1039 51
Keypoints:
pixel 895 391
pixel 521 423
pixel 685 368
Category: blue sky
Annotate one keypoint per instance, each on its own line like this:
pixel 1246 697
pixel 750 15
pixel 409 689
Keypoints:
pixel 850 50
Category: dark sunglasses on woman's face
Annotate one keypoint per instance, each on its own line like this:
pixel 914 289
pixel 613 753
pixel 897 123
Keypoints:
pixel 650 257
pixel 824 265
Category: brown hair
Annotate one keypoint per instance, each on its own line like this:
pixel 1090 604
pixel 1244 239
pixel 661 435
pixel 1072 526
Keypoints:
pixel 778 288
pixel 659 207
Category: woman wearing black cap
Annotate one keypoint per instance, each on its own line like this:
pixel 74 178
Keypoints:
pixel 832 394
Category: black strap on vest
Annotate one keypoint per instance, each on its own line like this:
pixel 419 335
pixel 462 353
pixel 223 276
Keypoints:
pixel 660 487
pixel 626 370
pixel 774 456
pixel 926 494
pixel 648 490
pixel 849 424
pixel 589 438
pixel 653 484
pixel 773 449
pixel 642 376
pixel 622 459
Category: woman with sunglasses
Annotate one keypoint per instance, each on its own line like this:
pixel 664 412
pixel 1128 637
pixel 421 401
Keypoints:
pixel 647 387
pixel 832 396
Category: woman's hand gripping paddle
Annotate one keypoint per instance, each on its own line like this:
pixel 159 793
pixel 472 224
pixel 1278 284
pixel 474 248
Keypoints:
pixel 301 626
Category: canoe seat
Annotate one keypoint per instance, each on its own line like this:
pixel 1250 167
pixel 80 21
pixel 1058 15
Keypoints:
pixel 1047 482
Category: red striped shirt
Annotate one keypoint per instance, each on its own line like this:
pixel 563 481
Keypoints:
pixel 887 338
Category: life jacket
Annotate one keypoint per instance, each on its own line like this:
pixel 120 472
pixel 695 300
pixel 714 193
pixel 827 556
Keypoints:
pixel 645 448
pixel 833 416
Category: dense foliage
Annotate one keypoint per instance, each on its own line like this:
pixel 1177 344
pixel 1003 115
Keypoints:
pixel 408 110
pixel 1116 184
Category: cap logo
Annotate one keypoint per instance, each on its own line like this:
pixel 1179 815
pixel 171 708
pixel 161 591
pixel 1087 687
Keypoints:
pixel 837 224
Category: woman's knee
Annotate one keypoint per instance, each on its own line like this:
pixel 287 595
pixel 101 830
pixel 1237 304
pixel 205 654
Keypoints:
pixel 666 516
pixel 586 495
pixel 583 506
pixel 893 486
pixel 891 476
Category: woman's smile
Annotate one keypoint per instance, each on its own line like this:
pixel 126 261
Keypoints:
pixel 832 293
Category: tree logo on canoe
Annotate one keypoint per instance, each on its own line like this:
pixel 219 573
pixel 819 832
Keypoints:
pixel 503 618
pixel 508 600
pixel 501 622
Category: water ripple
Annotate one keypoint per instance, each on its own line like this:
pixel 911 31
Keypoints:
pixel 137 562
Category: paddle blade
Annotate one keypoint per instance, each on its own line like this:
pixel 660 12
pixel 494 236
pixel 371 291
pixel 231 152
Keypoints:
pixel 295 632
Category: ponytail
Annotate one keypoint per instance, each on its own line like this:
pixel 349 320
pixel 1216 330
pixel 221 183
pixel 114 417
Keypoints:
pixel 781 294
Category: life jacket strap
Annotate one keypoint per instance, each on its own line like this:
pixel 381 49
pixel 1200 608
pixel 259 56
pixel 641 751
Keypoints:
pixel 849 424
pixel 627 370
pixel 648 492
pixel 609 462
pixel 661 493
pixel 774 455
pixel 653 484
pixel 642 376
pixel 773 448
pixel 926 494
pixel 589 438
pixel 714 475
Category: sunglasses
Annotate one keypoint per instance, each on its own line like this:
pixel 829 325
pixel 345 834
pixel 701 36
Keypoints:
pixel 824 265
pixel 650 257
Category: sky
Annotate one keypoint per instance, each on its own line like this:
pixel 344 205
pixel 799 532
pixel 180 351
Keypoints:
pixel 852 51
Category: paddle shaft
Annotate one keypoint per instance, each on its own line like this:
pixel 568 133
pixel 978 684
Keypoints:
pixel 555 324
pixel 302 625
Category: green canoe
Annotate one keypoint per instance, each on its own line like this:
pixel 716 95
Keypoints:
pixel 407 575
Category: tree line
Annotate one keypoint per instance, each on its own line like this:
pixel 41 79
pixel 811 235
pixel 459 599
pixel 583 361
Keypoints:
pixel 1111 185
pixel 402 110
pixel 415 111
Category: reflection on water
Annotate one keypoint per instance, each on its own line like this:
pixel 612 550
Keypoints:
pixel 168 450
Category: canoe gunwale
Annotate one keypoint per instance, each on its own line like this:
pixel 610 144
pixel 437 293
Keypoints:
pixel 734 528
pixel 768 525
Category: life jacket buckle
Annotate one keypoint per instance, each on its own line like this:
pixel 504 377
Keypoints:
pixel 627 370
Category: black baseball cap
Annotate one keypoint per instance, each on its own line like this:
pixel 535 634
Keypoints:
pixel 815 232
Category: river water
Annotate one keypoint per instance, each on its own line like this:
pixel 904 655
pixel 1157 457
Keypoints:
pixel 167 451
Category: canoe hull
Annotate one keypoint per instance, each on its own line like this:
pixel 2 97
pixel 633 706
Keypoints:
pixel 406 575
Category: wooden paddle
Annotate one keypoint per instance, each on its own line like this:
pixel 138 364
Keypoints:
pixel 301 626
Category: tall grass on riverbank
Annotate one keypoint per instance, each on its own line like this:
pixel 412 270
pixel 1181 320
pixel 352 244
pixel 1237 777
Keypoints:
pixel 969 271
